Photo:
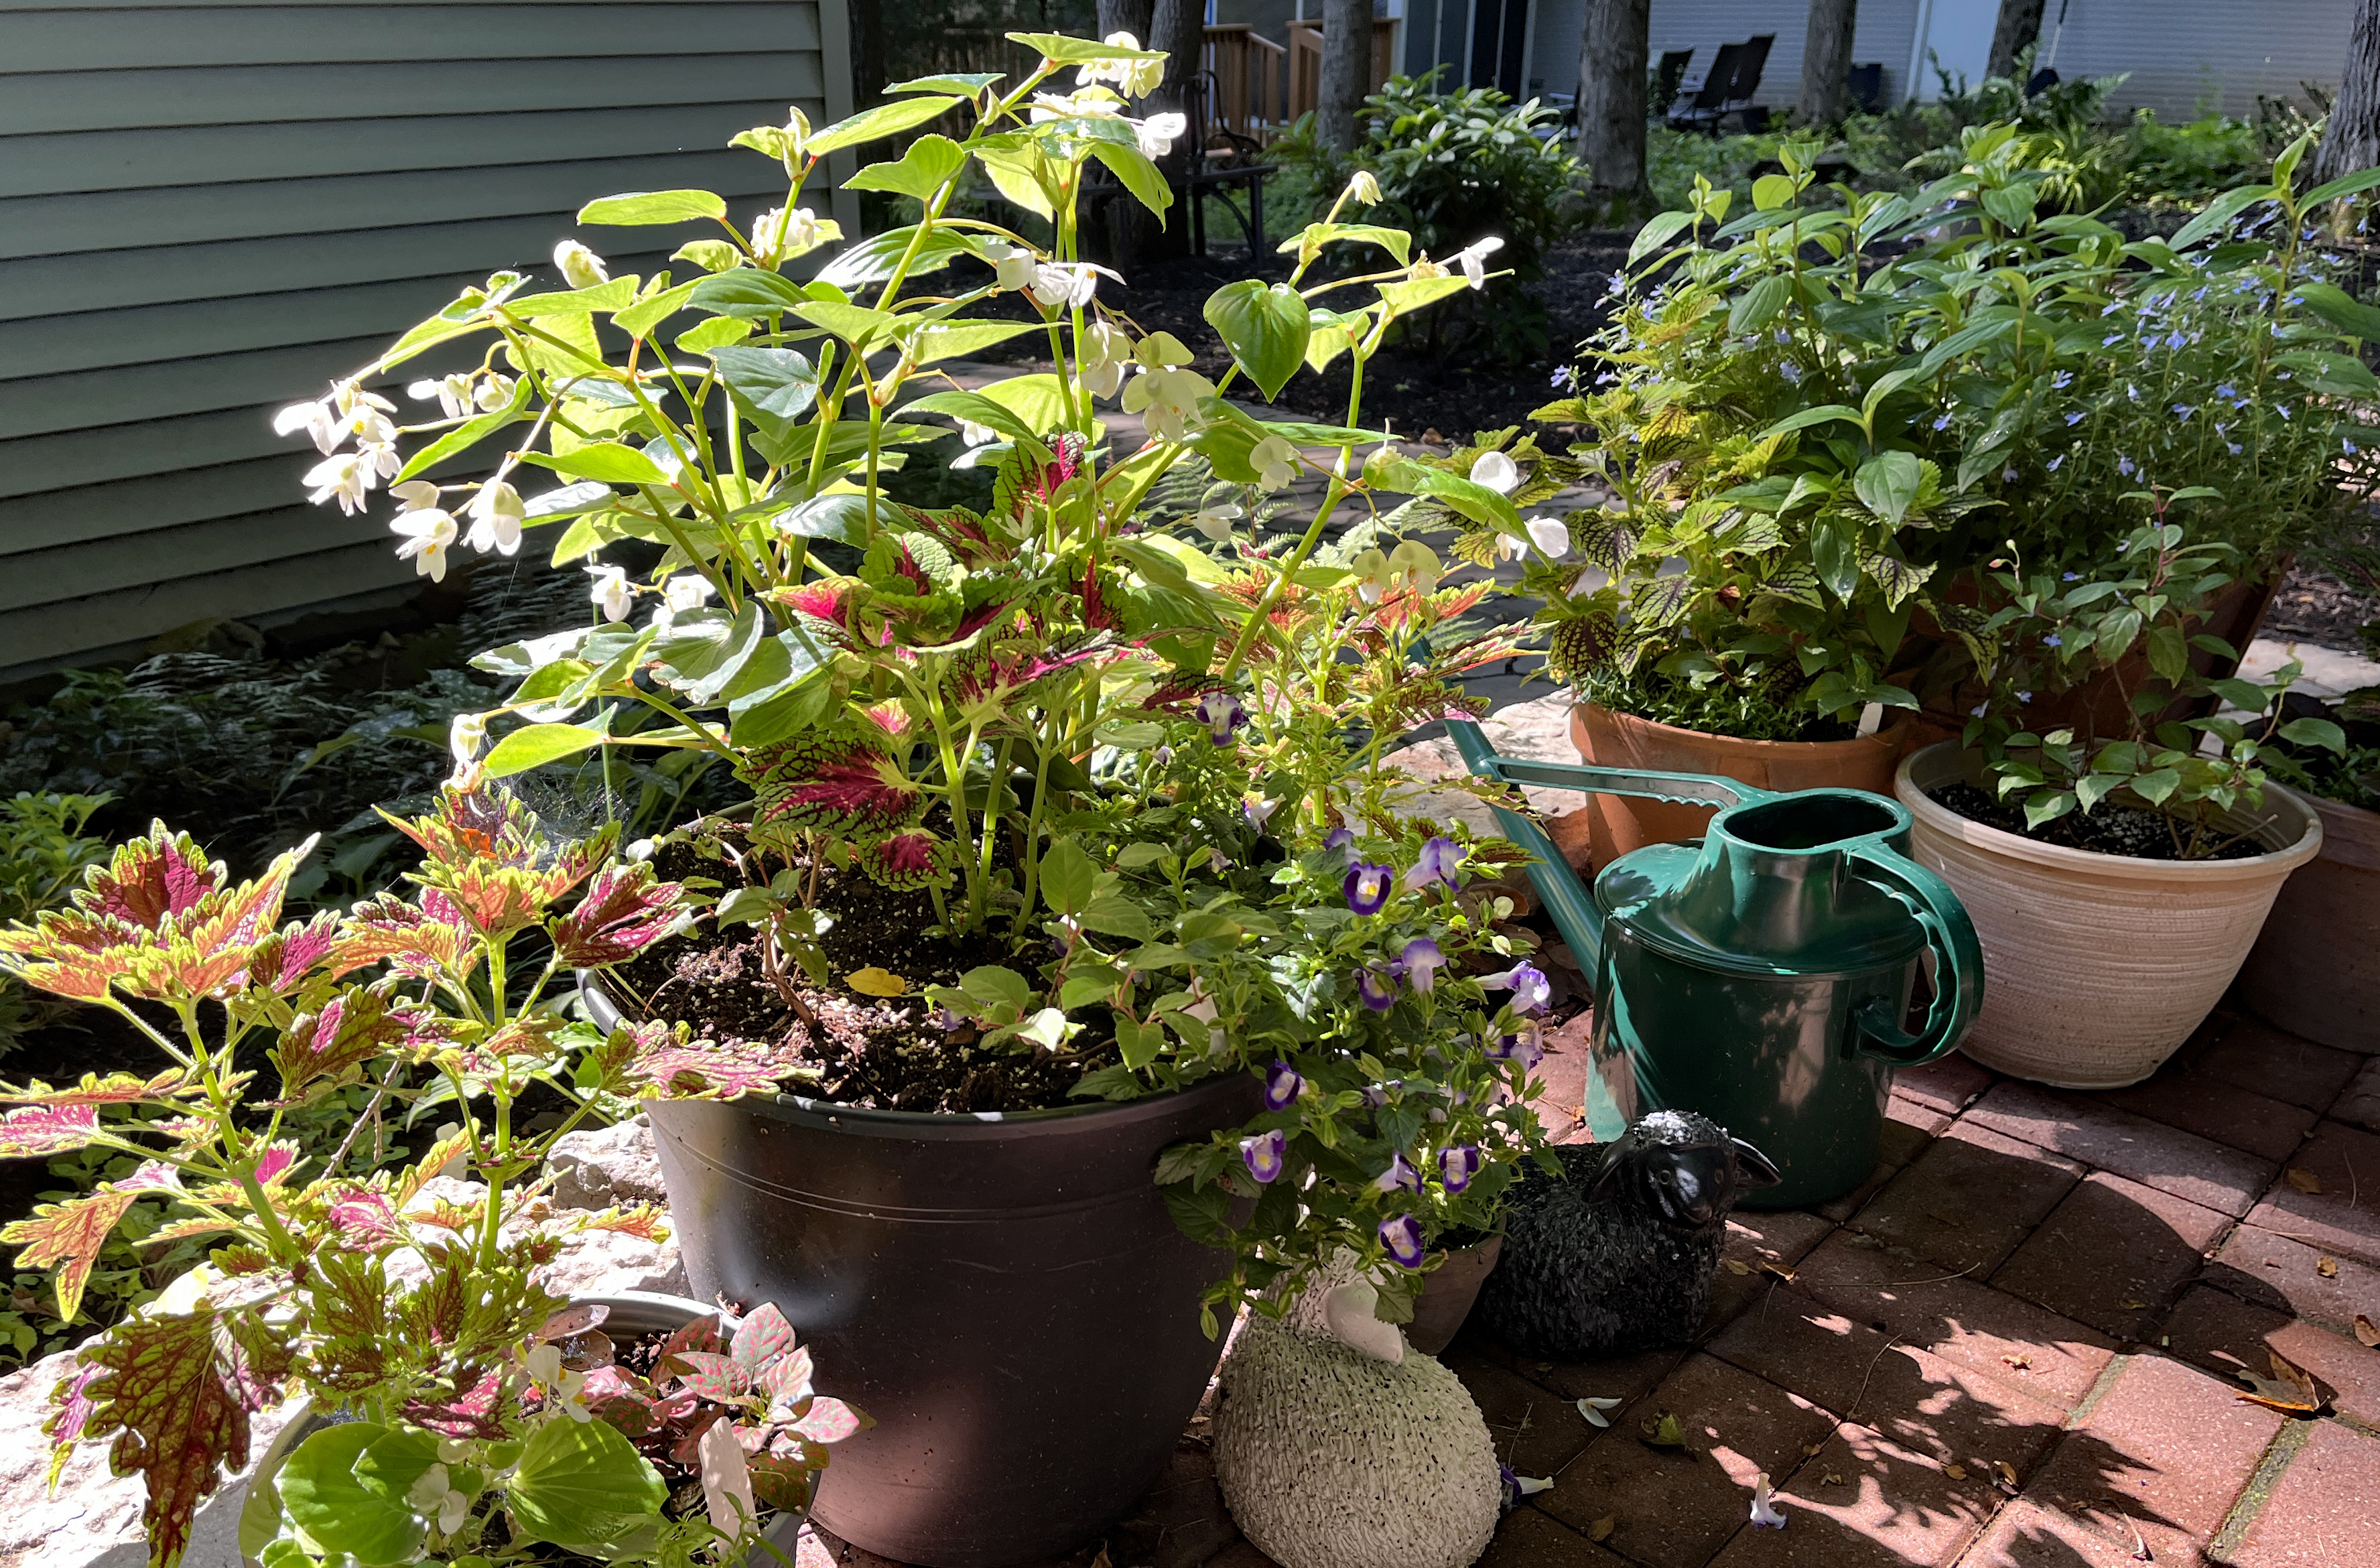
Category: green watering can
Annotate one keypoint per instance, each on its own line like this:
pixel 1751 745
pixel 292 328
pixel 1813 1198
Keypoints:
pixel 1762 975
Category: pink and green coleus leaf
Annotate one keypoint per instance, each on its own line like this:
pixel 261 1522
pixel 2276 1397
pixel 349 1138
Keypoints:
pixel 657 1058
pixel 628 908
pixel 176 1393
pixel 283 959
pixel 152 880
pixel 116 1089
pixel 786 1382
pixel 68 1237
pixel 422 941
pixel 842 781
pixel 33 1131
pixel 349 1029
pixel 906 860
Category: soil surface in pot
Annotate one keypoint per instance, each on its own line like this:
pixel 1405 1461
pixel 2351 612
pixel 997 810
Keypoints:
pixel 884 1054
pixel 2110 830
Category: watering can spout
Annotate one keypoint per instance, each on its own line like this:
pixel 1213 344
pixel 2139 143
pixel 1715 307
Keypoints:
pixel 1576 913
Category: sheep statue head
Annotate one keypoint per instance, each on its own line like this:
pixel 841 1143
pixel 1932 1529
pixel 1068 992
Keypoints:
pixel 1619 1254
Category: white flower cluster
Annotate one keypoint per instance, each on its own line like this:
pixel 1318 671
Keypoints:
pixel 1134 78
pixel 348 411
pixel 1156 134
pixel 1162 391
pixel 1472 260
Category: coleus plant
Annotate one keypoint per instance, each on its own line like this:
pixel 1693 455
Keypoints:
pixel 903 689
pixel 409 1301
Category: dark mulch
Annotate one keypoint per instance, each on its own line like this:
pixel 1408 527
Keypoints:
pixel 2315 607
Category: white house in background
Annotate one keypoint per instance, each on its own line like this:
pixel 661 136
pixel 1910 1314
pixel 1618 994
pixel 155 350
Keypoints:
pixel 2181 53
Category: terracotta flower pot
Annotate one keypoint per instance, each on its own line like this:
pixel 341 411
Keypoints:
pixel 1616 824
pixel 2097 967
pixel 1448 1294
pixel 2316 970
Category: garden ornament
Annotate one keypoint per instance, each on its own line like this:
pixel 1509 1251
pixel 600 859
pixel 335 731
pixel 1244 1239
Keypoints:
pixel 1761 975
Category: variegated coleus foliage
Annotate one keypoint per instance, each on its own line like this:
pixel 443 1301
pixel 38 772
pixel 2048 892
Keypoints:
pixel 410 1300
pixel 901 689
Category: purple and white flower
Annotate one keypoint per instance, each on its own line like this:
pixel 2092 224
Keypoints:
pixel 1403 1237
pixel 1525 1046
pixel 1367 886
pixel 1437 863
pixel 1282 1085
pixel 1266 1155
pixel 1420 963
pixel 1456 1166
pixel 1342 841
pixel 1765 1515
pixel 1399 1174
pixel 1376 987
pixel 1222 714
pixel 1531 990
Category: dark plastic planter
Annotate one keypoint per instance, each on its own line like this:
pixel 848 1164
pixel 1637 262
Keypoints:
pixel 1007 1297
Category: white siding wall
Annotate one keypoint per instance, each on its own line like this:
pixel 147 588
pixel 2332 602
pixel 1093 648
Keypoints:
pixel 2182 53
pixel 1884 32
pixel 209 210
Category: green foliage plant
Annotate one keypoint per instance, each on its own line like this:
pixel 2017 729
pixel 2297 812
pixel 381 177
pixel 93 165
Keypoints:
pixel 409 1298
pixel 44 853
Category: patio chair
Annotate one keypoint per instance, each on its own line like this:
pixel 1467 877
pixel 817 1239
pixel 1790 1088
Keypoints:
pixel 1744 86
pixel 1691 113
pixel 1670 74
pixel 1867 87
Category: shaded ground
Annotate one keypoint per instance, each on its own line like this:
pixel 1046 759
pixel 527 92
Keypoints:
pixel 2014 1346
pixel 2315 607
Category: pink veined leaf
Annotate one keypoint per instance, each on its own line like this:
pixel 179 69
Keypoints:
pixel 616 1398
pixel 72 954
pixel 645 1222
pixel 468 1414
pixel 625 909
pixel 351 1029
pixel 205 949
pixel 420 941
pixel 151 879
pixel 712 1376
pixel 36 1130
pixel 906 860
pixel 673 1063
pixel 843 780
pixel 272 1166
pixel 787 1379
pixel 68 1237
pixel 779 1481
pixel 829 1420
pixel 283 958
pixel 707 1333
pixel 116 1089
pixel 364 1219
pixel 762 1337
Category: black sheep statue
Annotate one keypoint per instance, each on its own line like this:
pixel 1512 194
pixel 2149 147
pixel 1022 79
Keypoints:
pixel 1620 1254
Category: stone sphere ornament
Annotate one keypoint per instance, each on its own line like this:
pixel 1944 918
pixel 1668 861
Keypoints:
pixel 1621 1253
pixel 1338 1445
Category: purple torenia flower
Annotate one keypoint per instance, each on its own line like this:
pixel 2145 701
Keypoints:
pixel 1399 1174
pixel 1421 961
pixel 1376 987
pixel 1525 1046
pixel 1222 715
pixel 1282 1085
pixel 1367 886
pixel 1438 859
pixel 1266 1155
pixel 1402 1236
pixel 1342 841
pixel 1457 1166
pixel 1258 810
pixel 1531 990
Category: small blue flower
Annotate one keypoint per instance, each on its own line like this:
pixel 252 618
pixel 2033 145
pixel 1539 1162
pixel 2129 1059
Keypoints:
pixel 2282 409
pixel 2070 576
pixel 2053 640
pixel 1366 886
pixel 1402 1236
pixel 1399 1174
pixel 1792 372
pixel 1282 1085
pixel 2350 445
pixel 2111 340
pixel 1376 987
pixel 2131 392
pixel 1420 962
pixel 2074 419
pixel 2055 461
pixel 2175 340
pixel 1457 1166
pixel 2185 409
pixel 1266 1155
pixel 2062 379
pixel 1438 859
pixel 2234 447
pixel 2124 467
pixel 2024 696
pixel 2224 389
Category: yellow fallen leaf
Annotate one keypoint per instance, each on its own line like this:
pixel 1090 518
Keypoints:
pixel 1830 1479
pixel 2304 1181
pixel 1734 1266
pixel 1664 1431
pixel 2132 1304
pixel 1601 1530
pixel 1811 1451
pixel 2327 1268
pixel 1956 1472
pixel 2019 1363
pixel 2290 1389
pixel 2007 1474
pixel 873 981
pixel 1780 1270
pixel 2367 1331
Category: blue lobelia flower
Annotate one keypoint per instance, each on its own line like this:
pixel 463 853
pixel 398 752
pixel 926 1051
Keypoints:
pixel 1266 1155
pixel 1282 1085
pixel 1402 1236
pixel 1438 861
pixel 1457 1166
pixel 1366 886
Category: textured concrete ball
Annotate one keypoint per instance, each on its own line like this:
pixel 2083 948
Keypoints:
pixel 1329 1458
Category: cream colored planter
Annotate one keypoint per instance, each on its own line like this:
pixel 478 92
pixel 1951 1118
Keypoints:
pixel 2098 966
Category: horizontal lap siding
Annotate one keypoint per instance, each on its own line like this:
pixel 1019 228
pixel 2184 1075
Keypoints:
pixel 210 211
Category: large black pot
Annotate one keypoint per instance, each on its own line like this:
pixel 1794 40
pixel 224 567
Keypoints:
pixel 1007 1297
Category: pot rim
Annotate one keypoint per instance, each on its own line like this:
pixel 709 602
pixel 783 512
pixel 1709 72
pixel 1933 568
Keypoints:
pixel 805 1110
pixel 2306 845
pixel 1887 735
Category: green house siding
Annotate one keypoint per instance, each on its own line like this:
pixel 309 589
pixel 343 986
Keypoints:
pixel 208 210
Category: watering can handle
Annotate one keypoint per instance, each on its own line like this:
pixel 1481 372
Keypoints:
pixel 1958 962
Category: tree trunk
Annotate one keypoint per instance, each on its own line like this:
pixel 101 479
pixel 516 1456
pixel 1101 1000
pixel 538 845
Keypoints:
pixel 1178 27
pixel 1115 16
pixel 1346 70
pixel 1614 54
pixel 1827 62
pixel 2353 142
pixel 2019 28
pixel 868 76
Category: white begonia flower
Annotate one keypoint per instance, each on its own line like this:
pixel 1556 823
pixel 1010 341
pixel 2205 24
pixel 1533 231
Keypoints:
pixel 612 592
pixel 435 1495
pixel 1415 566
pixel 465 735
pixel 579 267
pixel 562 1385
pixel 496 513
pixel 1373 574
pixel 1065 283
pixel 1086 103
pixel 452 394
pixel 1012 266
pixel 1215 518
pixel 1136 78
pixel 1167 399
pixel 1529 1486
pixel 1159 132
pixel 345 475
pixel 1593 1407
pixel 1550 535
pixel 1361 187
pixel 316 419
pixel 783 234
pixel 1497 471
pixel 1472 259
pixel 1275 461
pixel 977 435
pixel 415 495
pixel 688 591
pixel 1509 549
pixel 1105 352
pixel 424 535
pixel 495 391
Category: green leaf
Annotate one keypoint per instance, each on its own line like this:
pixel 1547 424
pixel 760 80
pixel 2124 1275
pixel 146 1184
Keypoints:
pixel 639 318
pixel 715 333
pixel 1772 191
pixel 921 172
pixel 470 434
pixel 1887 483
pixel 2313 731
pixel 1139 1044
pixel 838 514
pixel 1140 176
pixel 710 255
pixel 2012 205
pixel 873 259
pixel 1472 499
pixel 1759 305
pixel 1113 915
pixel 1825 413
pixel 2218 212
pixel 323 1497
pixel 393 1462
pixel 2342 310
pixel 1067 876
pixel 747 292
pixel 581 1484
pixel 956 340
pixel 996 987
pixel 2169 652
pixel 966 84
pixel 706 650
pixel 607 297
pixel 1395 242
pixel 773 388
pixel 2046 807
pixel 1407 298
pixel 2155 786
pixel 533 746
pixel 605 460
pixel 887 119
pixel 653 207
pixel 1834 558
pixel 855 325
pixel 976 409
pixel 2345 185
pixel 1265 328
pixel 1656 233
pixel 1078 51
pixel 2246 696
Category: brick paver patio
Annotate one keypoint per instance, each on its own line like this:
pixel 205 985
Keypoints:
pixel 2013 1348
